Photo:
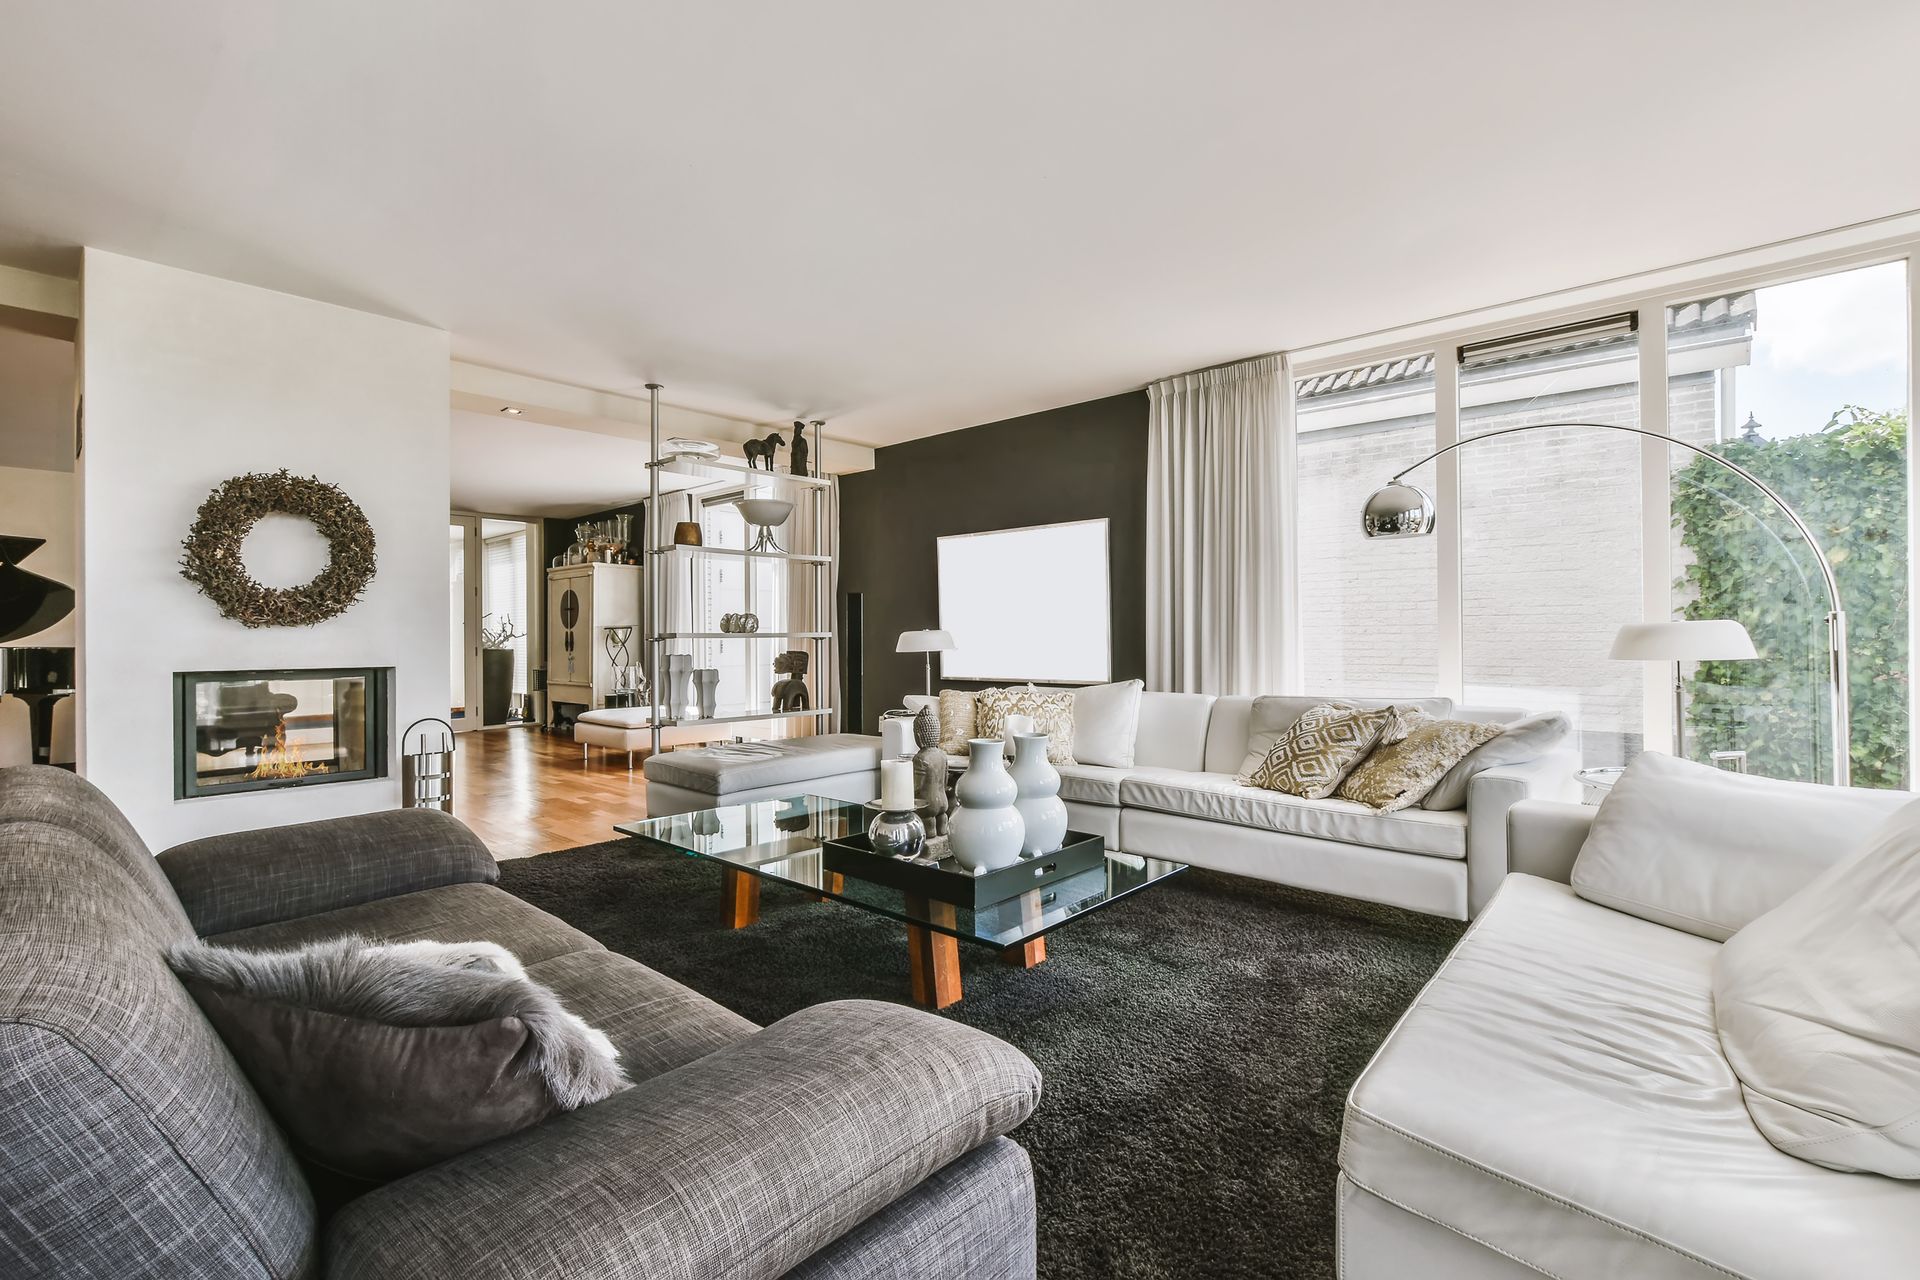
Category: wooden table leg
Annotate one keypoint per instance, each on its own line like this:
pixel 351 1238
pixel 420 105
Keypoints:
pixel 933 958
pixel 832 882
pixel 739 898
pixel 1025 955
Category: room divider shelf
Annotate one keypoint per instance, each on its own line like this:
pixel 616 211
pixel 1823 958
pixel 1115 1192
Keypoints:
pixel 690 586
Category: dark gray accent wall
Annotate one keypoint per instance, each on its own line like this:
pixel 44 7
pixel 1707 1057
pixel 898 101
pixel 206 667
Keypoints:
pixel 1084 462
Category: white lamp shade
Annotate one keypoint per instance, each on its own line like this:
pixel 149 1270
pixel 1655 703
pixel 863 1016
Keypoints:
pixel 1706 640
pixel 924 642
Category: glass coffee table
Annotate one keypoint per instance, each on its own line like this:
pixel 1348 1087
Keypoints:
pixel 780 840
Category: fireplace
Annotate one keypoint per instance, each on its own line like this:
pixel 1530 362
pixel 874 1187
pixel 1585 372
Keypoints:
pixel 253 730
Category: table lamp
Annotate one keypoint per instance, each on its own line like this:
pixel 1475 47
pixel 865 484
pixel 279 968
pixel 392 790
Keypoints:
pixel 1703 640
pixel 927 642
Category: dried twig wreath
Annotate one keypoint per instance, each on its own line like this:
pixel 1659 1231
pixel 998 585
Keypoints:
pixel 212 561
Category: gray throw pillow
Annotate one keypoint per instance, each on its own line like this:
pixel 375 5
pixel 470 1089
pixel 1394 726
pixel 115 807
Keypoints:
pixel 378 1060
pixel 1527 738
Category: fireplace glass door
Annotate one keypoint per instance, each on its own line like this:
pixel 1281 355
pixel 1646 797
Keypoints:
pixel 251 730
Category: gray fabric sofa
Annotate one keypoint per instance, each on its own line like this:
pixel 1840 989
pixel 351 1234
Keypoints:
pixel 850 1139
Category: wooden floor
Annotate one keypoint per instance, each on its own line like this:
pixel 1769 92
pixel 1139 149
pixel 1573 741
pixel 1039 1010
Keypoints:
pixel 524 791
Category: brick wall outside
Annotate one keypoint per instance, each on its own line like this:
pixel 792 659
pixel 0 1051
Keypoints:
pixel 1550 538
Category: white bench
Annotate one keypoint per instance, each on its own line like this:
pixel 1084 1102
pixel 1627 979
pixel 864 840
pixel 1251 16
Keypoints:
pixel 840 766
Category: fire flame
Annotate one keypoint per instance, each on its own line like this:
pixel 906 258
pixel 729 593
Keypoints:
pixel 278 761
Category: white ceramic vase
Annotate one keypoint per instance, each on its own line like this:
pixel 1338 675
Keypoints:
pixel 986 830
pixel 1042 810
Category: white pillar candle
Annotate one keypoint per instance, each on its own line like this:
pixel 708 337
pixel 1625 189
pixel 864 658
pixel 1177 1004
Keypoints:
pixel 896 784
pixel 896 738
pixel 1016 724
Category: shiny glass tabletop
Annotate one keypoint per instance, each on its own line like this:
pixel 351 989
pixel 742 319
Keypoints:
pixel 780 840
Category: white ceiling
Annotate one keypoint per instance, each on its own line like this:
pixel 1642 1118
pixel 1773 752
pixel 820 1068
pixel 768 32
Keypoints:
pixel 907 218
pixel 513 467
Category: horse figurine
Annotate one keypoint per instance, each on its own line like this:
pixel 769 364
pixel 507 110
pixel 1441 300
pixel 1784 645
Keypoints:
pixel 758 449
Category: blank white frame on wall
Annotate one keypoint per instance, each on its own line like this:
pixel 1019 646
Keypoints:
pixel 1028 604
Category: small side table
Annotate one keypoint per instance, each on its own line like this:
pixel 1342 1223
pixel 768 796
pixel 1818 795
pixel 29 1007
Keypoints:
pixel 1595 783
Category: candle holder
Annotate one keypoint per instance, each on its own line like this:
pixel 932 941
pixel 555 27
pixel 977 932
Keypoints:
pixel 898 833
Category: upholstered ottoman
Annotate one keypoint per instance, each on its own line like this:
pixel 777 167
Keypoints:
pixel 627 729
pixel 840 766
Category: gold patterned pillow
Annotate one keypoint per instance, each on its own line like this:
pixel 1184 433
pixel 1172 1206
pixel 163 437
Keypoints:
pixel 956 720
pixel 1052 712
pixel 1311 757
pixel 1399 774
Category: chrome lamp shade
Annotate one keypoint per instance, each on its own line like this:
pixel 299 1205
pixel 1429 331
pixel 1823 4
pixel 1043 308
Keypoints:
pixel 1398 510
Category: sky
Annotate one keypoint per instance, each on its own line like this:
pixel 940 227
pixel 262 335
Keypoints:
pixel 1821 343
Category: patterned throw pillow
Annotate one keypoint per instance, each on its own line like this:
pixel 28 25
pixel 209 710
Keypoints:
pixel 1052 712
pixel 956 720
pixel 1312 756
pixel 1400 773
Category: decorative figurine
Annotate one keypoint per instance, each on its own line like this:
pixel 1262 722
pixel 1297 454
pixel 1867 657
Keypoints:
pixel 791 694
pixel 762 449
pixel 930 772
pixel 798 458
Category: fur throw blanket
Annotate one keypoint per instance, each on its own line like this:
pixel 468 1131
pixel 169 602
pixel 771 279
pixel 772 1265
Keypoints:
pixel 421 984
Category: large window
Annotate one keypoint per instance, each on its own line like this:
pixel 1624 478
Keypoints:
pixel 1368 617
pixel 1547 543
pixel 1550 564
pixel 1805 385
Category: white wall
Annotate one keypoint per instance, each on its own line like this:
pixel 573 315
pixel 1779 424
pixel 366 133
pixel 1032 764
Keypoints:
pixel 39 504
pixel 189 380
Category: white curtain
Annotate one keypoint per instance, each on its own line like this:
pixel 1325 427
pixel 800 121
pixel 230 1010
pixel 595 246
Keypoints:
pixel 1219 530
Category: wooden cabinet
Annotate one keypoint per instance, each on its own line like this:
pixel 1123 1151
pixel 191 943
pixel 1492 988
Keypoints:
pixel 583 600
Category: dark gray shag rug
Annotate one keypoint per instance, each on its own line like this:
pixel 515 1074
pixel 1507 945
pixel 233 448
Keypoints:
pixel 1197 1039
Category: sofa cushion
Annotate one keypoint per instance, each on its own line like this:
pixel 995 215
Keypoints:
pixel 1414 756
pixel 1557 1092
pixel 1106 720
pixel 1321 748
pixel 1522 739
pixel 1220 797
pixel 1050 709
pixel 451 913
pixel 1091 783
pixel 1272 715
pixel 1708 851
pixel 957 711
pixel 653 1021
pixel 379 1060
pixel 1818 1005
pixel 1173 730
pixel 749 766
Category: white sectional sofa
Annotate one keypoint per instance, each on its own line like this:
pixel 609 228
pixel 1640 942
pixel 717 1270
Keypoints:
pixel 1180 800
pixel 1557 1101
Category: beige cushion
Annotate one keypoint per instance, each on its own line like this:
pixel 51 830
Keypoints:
pixel 1708 851
pixel 1527 738
pixel 1273 715
pixel 1415 753
pixel 1220 797
pixel 1818 1007
pixel 956 720
pixel 1310 758
pixel 1052 712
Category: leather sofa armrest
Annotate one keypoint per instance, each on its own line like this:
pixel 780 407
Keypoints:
pixel 1490 795
pixel 741 1164
pixel 249 878
pixel 1544 837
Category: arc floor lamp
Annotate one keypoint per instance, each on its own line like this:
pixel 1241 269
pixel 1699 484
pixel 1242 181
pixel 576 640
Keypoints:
pixel 1401 510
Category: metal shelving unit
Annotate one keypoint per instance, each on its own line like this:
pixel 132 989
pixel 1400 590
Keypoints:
pixel 808 494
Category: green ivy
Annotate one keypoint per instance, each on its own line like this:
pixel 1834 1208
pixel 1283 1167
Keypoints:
pixel 1848 481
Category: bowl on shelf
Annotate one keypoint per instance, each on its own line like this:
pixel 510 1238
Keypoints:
pixel 693 450
pixel 767 514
